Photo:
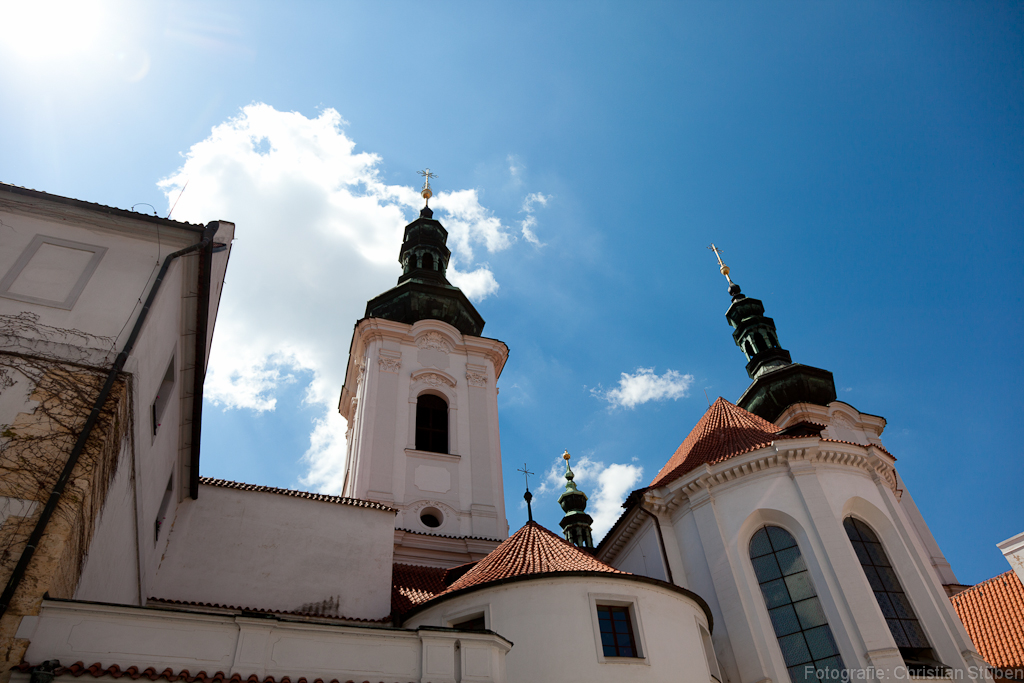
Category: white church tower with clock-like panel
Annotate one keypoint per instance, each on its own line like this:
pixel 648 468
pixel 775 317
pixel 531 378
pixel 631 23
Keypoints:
pixel 420 397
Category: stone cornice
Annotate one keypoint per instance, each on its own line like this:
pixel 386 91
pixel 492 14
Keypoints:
pixel 798 456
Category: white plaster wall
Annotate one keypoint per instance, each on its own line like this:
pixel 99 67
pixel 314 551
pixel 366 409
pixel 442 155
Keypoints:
pixel 233 644
pixel 111 570
pixel 264 550
pixel 112 292
pixel 391 365
pixel 553 624
pixel 642 555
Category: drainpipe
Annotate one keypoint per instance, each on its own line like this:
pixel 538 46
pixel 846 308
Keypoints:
pixel 199 374
pixel 661 539
pixel 83 437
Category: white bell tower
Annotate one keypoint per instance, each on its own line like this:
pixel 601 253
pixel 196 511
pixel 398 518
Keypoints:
pixel 421 401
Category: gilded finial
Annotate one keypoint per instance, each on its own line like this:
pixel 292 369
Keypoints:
pixel 426 192
pixel 734 289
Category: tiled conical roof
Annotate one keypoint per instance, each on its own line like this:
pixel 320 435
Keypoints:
pixel 531 550
pixel 725 430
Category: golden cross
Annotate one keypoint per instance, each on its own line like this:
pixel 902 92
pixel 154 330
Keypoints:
pixel 721 266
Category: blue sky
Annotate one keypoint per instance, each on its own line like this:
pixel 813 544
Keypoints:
pixel 859 164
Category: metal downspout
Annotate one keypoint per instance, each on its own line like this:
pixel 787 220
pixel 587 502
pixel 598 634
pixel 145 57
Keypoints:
pixel 83 436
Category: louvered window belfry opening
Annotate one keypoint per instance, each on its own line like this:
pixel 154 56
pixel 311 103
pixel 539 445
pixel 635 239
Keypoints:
pixel 431 424
pixel 895 605
pixel 617 637
pixel 806 641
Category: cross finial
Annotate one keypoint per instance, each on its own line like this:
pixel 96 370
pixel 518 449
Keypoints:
pixel 426 192
pixel 527 496
pixel 734 288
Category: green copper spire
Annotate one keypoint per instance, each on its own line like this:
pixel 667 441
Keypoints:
pixel 423 291
pixel 576 523
pixel 778 381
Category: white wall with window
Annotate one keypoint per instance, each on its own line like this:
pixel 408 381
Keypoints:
pixel 588 628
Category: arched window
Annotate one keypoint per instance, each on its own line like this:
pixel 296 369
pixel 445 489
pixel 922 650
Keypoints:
pixel 805 639
pixel 893 601
pixel 431 424
pixel 428 261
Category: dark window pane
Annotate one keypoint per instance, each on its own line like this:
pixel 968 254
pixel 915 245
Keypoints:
pixel 820 641
pixel 784 620
pixel 851 529
pixel 862 552
pixel 775 593
pixel 794 649
pixel 790 561
pixel 886 605
pixel 878 557
pixel 780 538
pixel 889 580
pixel 828 665
pixel 766 568
pixel 759 544
pixel 866 533
pixel 810 613
pixel 915 634
pixel 800 587
pixel 431 424
pixel 608 640
pixel 803 673
pixel 897 633
pixel 623 640
pixel 902 606
pixel 609 650
pixel 872 574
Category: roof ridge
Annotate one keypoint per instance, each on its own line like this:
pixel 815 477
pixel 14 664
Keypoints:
pixel 295 493
pixel 533 549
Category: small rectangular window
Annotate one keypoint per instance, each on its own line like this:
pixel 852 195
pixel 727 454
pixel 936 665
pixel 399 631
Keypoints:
pixel 617 637
pixel 476 623
pixel 163 396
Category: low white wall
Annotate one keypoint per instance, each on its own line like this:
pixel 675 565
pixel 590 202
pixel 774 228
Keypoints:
pixel 553 625
pixel 256 549
pixel 130 636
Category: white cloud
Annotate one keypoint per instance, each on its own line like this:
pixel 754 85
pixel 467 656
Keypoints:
pixel 643 386
pixel 530 222
pixel 606 487
pixel 318 233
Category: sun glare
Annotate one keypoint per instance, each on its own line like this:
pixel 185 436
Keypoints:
pixel 42 30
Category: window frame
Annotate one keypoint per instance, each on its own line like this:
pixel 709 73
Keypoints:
pixel 447 423
pixel 636 623
pixel 771 634
pixel 449 619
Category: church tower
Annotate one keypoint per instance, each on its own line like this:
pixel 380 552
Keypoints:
pixel 778 382
pixel 420 398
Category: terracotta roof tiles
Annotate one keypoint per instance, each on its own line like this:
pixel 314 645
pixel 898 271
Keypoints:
pixel 321 497
pixel 725 431
pixel 993 614
pixel 412 585
pixel 97 670
pixel 531 550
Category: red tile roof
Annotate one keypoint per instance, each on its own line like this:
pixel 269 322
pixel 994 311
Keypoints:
pixel 726 430
pixel 133 672
pixel 162 602
pixel 531 550
pixel 321 497
pixel 993 614
pixel 412 585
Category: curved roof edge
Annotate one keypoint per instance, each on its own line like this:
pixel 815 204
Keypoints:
pixel 557 575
